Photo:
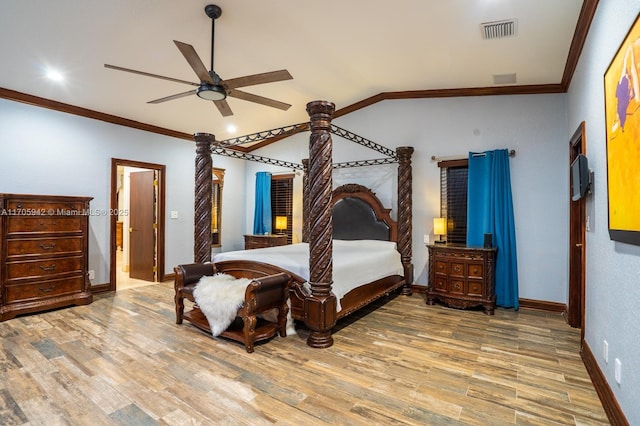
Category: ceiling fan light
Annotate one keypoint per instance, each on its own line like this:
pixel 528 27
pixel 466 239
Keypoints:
pixel 211 92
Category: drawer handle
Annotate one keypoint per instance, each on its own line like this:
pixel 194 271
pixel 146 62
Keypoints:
pixel 53 223
pixel 48 290
pixel 47 247
pixel 48 268
pixel 456 268
pixel 475 270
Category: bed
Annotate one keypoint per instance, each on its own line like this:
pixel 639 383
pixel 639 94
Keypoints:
pixel 348 213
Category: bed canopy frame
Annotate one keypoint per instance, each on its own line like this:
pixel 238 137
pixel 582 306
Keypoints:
pixel 317 217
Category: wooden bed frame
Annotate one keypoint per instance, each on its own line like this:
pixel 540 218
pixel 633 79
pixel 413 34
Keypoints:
pixel 317 306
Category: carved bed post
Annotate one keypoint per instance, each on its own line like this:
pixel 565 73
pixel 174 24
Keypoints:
pixel 305 200
pixel 320 305
pixel 202 204
pixel 405 214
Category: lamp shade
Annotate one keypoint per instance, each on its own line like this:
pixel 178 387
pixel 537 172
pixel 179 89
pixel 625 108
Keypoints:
pixel 281 222
pixel 439 226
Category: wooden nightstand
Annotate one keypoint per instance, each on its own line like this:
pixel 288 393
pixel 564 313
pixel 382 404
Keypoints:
pixel 462 277
pixel 262 241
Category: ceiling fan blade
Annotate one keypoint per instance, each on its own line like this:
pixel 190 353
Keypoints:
pixel 172 97
pixel 148 74
pixel 258 99
pixel 223 107
pixel 194 60
pixel 250 80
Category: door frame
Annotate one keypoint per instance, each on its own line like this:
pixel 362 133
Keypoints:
pixel 577 241
pixel 161 169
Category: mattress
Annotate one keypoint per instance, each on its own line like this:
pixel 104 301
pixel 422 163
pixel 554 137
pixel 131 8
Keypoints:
pixel 355 262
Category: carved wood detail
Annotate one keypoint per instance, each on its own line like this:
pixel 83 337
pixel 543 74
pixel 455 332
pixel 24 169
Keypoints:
pixel 202 201
pixel 405 203
pixel 321 304
pixel 305 201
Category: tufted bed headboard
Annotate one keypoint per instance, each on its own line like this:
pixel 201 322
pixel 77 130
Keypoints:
pixel 359 215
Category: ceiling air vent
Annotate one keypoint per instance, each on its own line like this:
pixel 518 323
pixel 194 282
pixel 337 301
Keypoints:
pixel 499 29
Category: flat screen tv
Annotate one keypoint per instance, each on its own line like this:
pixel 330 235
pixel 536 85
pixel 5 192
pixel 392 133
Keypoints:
pixel 580 177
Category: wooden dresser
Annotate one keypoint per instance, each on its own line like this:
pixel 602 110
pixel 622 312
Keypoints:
pixel 262 241
pixel 43 253
pixel 462 277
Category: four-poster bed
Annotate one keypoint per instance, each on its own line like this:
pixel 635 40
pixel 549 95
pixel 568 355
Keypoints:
pixel 312 298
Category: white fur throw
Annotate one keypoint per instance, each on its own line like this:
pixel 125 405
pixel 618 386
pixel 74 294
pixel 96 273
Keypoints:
pixel 219 298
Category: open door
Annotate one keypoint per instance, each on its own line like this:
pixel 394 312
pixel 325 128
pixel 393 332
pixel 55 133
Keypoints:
pixel 577 242
pixel 142 222
pixel 160 172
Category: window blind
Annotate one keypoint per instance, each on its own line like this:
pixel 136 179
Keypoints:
pixel 453 198
pixel 282 202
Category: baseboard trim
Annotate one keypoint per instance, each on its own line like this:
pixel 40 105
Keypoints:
pixel 608 399
pixel 100 288
pixel 416 288
pixel 542 305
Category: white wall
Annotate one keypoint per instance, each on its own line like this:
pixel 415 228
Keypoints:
pixel 49 152
pixel 533 125
pixel 613 268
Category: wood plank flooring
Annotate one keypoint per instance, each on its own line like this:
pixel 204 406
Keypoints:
pixel 123 360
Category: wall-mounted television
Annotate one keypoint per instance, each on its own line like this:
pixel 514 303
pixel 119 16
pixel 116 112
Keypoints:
pixel 580 177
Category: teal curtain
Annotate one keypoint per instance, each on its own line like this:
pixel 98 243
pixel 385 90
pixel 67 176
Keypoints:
pixel 490 210
pixel 262 212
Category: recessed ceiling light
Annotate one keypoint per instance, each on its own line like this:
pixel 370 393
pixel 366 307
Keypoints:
pixel 54 75
pixel 231 128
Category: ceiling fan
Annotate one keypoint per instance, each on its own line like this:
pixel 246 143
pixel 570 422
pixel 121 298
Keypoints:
pixel 211 86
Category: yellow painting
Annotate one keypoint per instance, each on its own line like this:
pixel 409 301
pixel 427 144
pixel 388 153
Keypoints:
pixel 622 117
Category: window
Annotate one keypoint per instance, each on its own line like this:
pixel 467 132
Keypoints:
pixel 453 198
pixel 282 202
pixel 217 176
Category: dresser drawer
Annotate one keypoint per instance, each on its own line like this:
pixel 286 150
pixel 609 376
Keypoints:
pixel 43 289
pixel 31 224
pixel 44 246
pixel 44 268
pixel 35 207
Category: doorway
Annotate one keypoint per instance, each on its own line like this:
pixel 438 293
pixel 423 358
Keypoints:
pixel 577 241
pixel 137 231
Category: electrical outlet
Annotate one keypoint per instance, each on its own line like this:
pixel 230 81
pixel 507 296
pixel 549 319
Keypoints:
pixel 605 351
pixel 618 371
pixel 426 239
pixel 92 274
pixel 174 214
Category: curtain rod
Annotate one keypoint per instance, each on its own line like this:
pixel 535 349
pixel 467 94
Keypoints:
pixel 512 153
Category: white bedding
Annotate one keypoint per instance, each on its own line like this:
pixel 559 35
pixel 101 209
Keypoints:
pixel 354 262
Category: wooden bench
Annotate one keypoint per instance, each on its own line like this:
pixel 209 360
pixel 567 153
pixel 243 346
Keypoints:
pixel 261 295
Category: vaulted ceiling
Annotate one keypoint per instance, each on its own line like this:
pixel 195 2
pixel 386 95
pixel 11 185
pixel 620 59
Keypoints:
pixel 347 52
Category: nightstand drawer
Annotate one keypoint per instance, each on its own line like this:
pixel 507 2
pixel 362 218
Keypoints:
pixel 474 288
pixel 475 270
pixel 457 269
pixel 441 267
pixel 440 284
